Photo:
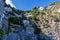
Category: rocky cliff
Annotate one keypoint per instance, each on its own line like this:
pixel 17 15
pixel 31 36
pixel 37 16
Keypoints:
pixel 32 24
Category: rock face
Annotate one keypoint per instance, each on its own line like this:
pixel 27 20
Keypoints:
pixel 3 18
pixel 25 33
pixel 50 22
pixel 1 12
pixel 12 36
pixel 23 28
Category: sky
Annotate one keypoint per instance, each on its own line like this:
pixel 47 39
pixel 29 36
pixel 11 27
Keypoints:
pixel 29 4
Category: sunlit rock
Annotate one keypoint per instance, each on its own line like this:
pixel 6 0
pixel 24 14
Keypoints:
pixel 8 9
pixel 26 23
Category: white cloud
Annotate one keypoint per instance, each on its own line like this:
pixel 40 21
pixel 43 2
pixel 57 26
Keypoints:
pixel 41 8
pixel 9 2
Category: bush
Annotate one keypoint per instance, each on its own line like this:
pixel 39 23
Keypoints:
pixel 28 11
pixel 37 31
pixel 13 19
pixel 43 13
pixel 2 32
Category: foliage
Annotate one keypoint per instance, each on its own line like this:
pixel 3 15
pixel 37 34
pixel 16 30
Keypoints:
pixel 37 31
pixel 28 11
pixel 52 3
pixel 35 13
pixel 2 32
pixel 35 8
pixel 13 19
pixel 17 11
pixel 43 13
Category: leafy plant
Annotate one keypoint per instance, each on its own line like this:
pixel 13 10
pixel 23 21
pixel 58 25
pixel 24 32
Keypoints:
pixel 37 31
pixel 28 11
pixel 13 19
pixel 1 34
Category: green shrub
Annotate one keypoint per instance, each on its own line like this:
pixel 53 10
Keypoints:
pixel 28 11
pixel 43 13
pixel 37 31
pixel 2 32
pixel 13 19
